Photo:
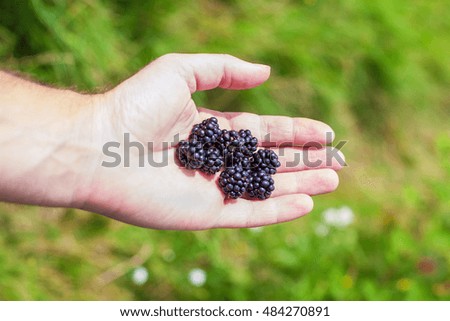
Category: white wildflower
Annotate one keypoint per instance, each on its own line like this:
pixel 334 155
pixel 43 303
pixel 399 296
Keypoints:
pixel 140 275
pixel 197 277
pixel 346 215
pixel 339 217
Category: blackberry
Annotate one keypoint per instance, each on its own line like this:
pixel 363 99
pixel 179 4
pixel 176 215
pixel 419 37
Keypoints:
pixel 266 160
pixel 264 164
pixel 234 181
pixel 237 147
pixel 191 154
pixel 226 137
pixel 199 152
pixel 250 142
pixel 207 132
pixel 261 185
pixel 247 170
pixel 213 161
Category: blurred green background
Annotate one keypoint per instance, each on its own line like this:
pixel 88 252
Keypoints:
pixel 377 71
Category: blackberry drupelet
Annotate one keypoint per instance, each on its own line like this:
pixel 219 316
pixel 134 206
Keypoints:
pixel 234 181
pixel 266 160
pixel 261 185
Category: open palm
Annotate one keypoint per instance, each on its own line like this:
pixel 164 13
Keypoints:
pixel 155 105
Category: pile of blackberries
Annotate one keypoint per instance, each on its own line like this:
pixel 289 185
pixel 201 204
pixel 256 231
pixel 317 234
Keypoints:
pixel 247 170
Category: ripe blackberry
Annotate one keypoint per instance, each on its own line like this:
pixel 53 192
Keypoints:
pixel 250 142
pixel 237 147
pixel 213 161
pixel 266 160
pixel 247 170
pixel 207 132
pixel 261 185
pixel 191 154
pixel 199 152
pixel 234 181
pixel 226 137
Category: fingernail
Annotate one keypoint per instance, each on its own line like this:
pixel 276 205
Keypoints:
pixel 263 67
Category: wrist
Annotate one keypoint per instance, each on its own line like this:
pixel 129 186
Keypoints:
pixel 44 143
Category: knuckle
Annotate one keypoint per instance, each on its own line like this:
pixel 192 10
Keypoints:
pixel 226 56
pixel 167 58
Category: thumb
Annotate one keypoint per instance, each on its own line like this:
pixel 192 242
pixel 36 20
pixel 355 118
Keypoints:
pixel 208 71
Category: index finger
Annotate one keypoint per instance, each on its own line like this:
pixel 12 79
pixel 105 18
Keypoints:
pixel 275 130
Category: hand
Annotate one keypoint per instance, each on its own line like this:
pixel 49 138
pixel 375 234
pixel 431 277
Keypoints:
pixel 154 106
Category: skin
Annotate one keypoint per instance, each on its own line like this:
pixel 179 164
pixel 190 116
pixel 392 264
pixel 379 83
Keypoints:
pixel 51 144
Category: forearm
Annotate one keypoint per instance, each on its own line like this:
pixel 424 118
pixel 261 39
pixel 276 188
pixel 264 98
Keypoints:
pixel 42 143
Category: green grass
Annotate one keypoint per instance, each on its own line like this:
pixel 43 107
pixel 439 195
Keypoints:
pixel 377 71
